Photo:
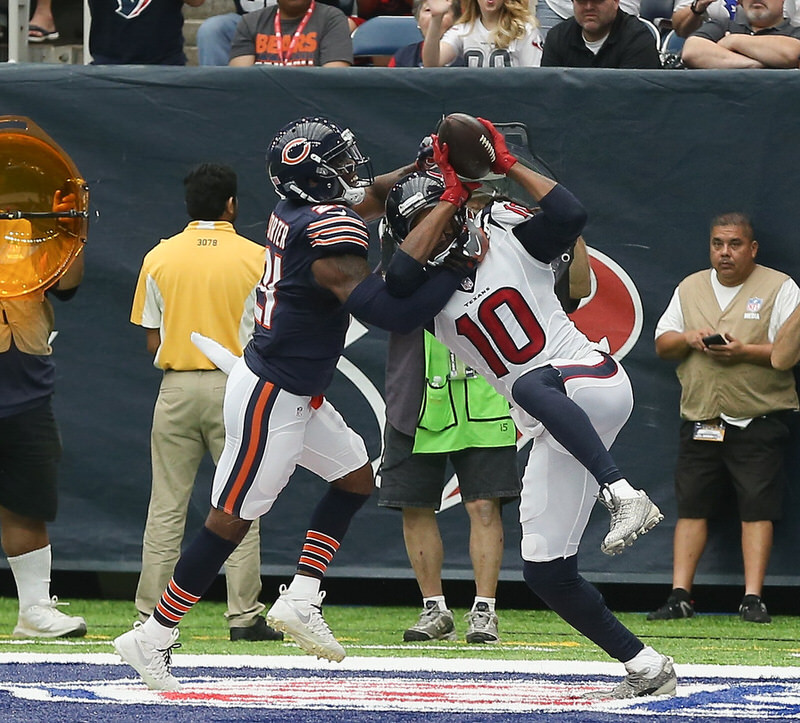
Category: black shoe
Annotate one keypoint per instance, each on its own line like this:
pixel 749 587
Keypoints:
pixel 752 610
pixel 678 605
pixel 259 630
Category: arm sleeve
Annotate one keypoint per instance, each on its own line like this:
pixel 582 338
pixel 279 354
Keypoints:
pixel 641 52
pixel 786 300
pixel 335 43
pixel 712 30
pixel 549 233
pixel 672 318
pixel 404 275
pixel 243 42
pixel 371 302
pixel 552 51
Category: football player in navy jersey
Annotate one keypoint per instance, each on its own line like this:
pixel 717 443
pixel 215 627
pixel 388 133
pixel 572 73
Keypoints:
pixel 507 323
pixel 315 275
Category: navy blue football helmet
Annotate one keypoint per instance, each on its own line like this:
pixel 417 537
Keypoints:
pixel 408 198
pixel 313 160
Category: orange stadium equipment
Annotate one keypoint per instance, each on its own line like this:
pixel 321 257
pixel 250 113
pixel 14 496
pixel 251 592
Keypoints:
pixel 44 205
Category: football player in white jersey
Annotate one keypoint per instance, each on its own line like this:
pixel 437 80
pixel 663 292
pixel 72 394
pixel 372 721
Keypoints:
pixel 507 323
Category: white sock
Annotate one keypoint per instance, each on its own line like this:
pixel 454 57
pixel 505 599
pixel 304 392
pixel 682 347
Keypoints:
pixel 158 633
pixel 622 489
pixel 647 662
pixel 32 574
pixel 438 599
pixel 305 587
pixel 488 600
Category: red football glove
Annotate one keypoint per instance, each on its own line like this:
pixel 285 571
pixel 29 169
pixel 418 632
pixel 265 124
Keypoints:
pixel 455 190
pixel 504 159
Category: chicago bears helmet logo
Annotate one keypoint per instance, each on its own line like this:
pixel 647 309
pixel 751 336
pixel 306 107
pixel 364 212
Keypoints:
pixel 296 151
pixel 131 8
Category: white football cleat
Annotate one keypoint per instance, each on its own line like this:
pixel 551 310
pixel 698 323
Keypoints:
pixel 302 619
pixel 151 662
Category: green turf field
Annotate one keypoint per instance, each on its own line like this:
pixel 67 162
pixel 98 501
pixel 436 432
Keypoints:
pixel 378 631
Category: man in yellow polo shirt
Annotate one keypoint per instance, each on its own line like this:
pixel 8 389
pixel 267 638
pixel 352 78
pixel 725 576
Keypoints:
pixel 202 279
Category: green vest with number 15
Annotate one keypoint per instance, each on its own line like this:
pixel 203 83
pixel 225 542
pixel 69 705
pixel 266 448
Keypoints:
pixel 459 409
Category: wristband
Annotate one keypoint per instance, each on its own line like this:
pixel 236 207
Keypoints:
pixel 693 8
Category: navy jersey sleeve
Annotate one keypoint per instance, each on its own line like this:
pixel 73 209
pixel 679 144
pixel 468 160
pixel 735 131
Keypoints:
pixel 338 230
pixel 549 233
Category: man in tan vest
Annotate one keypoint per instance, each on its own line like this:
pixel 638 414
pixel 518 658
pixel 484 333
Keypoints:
pixel 733 404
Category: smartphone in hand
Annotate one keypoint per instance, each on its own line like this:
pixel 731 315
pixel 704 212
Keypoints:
pixel 714 339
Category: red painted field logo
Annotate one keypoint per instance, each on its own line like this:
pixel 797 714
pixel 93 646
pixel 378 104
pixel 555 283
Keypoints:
pixel 613 309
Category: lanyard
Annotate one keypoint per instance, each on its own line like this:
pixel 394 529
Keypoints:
pixel 297 33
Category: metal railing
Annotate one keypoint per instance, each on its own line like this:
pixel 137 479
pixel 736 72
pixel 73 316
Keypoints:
pixel 18 14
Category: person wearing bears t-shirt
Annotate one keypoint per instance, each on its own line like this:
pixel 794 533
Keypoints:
pixel 295 32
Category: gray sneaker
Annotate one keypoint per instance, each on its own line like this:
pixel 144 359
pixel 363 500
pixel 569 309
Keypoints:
pixel 482 625
pixel 630 519
pixel 635 685
pixel 433 624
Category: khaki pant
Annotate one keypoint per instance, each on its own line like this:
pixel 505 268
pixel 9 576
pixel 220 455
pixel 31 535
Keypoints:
pixel 187 422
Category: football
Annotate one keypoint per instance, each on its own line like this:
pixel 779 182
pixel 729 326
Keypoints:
pixel 471 152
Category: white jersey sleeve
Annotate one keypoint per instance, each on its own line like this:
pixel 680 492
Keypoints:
pixel 672 318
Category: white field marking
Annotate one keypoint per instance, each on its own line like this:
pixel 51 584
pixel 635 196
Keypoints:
pixel 448 665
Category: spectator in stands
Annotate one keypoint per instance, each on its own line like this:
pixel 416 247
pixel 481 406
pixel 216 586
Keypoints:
pixel 500 34
pixel 137 33
pixel 172 301
pixel 215 34
pixel 786 348
pixel 551 12
pixel 411 55
pixel 294 32
pixel 689 15
pixel 733 406
pixel 600 35
pixel 42 26
pixel 757 37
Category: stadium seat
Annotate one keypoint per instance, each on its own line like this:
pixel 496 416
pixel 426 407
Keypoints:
pixel 658 12
pixel 654 30
pixel 671 50
pixel 384 35
pixel 654 10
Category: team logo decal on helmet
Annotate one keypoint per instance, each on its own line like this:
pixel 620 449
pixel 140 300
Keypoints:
pixel 296 151
pixel 315 161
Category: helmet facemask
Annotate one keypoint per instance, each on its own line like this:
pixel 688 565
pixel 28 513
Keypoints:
pixel 346 165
